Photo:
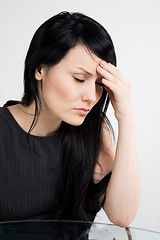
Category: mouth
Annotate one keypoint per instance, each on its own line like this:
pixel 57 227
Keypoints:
pixel 82 111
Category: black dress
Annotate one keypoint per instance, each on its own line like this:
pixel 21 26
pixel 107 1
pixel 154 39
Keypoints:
pixel 29 173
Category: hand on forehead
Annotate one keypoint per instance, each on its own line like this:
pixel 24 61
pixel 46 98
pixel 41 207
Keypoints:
pixel 83 60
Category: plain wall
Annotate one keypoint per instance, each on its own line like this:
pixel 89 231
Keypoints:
pixel 134 28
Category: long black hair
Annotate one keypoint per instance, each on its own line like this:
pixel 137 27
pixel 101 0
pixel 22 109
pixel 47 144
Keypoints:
pixel 80 144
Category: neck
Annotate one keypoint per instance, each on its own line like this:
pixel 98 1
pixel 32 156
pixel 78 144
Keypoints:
pixel 47 123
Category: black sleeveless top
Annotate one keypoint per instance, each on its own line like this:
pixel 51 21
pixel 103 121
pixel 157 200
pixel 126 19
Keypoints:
pixel 28 172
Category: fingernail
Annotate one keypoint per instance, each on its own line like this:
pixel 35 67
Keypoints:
pixel 99 68
pixel 104 80
pixel 103 63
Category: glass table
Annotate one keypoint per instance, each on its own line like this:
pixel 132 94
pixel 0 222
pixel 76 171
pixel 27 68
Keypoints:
pixel 70 230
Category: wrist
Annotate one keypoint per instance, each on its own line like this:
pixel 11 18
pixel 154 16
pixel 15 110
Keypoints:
pixel 129 120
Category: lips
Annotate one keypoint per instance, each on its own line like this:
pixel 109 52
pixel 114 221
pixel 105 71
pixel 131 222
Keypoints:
pixel 82 111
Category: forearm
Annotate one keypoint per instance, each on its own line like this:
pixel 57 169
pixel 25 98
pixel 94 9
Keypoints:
pixel 123 192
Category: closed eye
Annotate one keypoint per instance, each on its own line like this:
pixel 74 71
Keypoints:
pixel 80 80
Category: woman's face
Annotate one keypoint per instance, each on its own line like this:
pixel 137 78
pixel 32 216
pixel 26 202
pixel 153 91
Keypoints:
pixel 64 97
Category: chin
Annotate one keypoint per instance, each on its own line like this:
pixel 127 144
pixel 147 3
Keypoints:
pixel 76 122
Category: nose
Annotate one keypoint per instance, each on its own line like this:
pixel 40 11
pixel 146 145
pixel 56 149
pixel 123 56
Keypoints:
pixel 89 93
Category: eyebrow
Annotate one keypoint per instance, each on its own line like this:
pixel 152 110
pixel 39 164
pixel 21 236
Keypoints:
pixel 88 73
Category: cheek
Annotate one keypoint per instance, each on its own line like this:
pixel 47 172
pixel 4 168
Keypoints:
pixel 59 89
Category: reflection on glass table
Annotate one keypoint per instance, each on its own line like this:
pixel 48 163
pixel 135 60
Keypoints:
pixel 70 230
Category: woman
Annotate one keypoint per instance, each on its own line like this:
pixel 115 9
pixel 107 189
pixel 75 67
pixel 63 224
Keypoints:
pixel 58 159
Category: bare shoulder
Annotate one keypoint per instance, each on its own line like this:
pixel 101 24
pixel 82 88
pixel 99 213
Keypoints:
pixel 106 154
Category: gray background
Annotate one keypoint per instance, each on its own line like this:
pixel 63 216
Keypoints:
pixel 134 28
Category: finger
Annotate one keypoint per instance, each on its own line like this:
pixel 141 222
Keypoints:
pixel 119 93
pixel 110 93
pixel 105 74
pixel 112 88
pixel 112 70
pixel 119 82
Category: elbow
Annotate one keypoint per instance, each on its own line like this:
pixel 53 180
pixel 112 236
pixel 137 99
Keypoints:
pixel 121 221
pixel 121 217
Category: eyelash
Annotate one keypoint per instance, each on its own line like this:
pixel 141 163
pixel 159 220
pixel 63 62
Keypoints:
pixel 79 80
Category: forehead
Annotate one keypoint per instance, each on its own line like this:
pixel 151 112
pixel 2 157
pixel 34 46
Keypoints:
pixel 79 56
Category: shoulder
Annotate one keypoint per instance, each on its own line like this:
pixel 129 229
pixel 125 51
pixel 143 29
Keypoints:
pixel 5 130
pixel 3 118
pixel 4 122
